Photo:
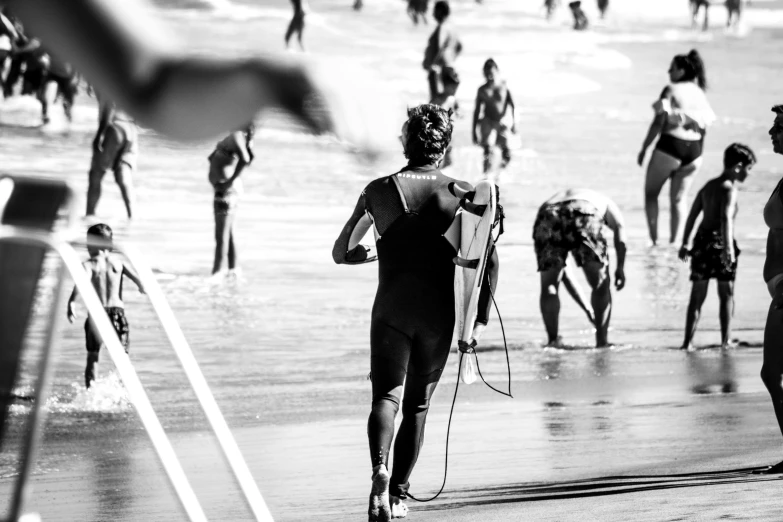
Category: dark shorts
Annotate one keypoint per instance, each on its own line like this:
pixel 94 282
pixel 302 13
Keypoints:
pixel 569 226
pixel 120 324
pixel 705 258
pixel 684 150
pixel 225 202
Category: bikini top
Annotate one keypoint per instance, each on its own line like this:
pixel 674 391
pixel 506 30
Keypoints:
pixel 773 210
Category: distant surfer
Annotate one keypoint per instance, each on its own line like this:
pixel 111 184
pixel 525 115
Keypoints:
pixel 714 252
pixel 106 272
pixel 116 148
pixel 494 116
pixel 772 367
pixel 417 225
pixel 573 221
pixel 297 23
pixel 682 116
pixel 226 163
pixel 443 47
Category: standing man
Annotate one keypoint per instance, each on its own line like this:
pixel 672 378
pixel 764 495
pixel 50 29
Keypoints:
pixel 297 23
pixel 443 48
pixel 494 106
pixel 573 221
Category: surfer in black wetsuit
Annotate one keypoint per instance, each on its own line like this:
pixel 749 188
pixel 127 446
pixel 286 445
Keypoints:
pixel 417 225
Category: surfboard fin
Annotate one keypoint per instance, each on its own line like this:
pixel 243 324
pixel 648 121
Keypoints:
pixel 466 263
pixel 477 210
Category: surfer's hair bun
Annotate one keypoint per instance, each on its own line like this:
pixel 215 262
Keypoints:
pixel 429 134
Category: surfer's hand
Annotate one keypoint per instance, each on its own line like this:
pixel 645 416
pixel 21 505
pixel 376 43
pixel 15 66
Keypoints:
pixel 71 314
pixel 684 253
pixel 96 143
pixel 475 139
pixel 640 157
pixel 619 279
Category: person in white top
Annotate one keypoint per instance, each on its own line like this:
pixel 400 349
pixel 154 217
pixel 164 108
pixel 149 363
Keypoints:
pixel 682 116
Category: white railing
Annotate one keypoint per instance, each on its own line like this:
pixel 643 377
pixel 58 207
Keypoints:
pixel 61 244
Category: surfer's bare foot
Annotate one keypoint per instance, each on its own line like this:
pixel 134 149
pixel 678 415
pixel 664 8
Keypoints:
pixel 772 470
pixel 557 342
pixel 380 510
pixel 398 507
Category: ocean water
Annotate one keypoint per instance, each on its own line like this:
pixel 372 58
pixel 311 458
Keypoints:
pixel 285 347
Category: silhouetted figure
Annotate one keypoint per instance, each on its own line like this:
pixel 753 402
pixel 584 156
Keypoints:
pixel 580 20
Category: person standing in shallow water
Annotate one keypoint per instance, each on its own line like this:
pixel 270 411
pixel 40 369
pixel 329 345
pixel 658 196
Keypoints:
pixel 417 223
pixel 226 163
pixel 714 253
pixel 772 367
pixel 297 23
pixel 573 221
pixel 443 47
pixel 682 116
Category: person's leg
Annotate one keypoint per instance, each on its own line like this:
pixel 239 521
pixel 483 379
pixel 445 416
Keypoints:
pixel 681 182
pixel 502 142
pixel 659 169
pixel 123 175
pixel 390 353
pixel 698 294
pixel 102 160
pixel 232 249
pixel 549 302
pixel 772 367
pixel 433 80
pixel 46 95
pixel 487 137
pixel 706 16
pixel 726 295
pixel 93 342
pixel 222 232
pixel 300 30
pixel 291 28
pixel 597 274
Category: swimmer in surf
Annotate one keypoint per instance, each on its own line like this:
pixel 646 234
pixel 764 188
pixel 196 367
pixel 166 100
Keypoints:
pixel 106 272
pixel 226 163
pixel 494 116
pixel 417 224
pixel 714 252
pixel 682 116
pixel 573 221
pixel 443 47
pixel 116 148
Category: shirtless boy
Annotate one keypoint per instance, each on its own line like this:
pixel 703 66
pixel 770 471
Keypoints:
pixel 714 253
pixel 115 147
pixel 106 272
pixel 490 117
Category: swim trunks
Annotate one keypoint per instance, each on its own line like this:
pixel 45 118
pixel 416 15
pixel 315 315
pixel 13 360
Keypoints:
pixel 119 322
pixel 226 201
pixel 116 152
pixel 706 262
pixel 569 226
pixel 684 150
pixel 493 133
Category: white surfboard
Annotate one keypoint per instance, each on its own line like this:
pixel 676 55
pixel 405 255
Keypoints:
pixel 478 216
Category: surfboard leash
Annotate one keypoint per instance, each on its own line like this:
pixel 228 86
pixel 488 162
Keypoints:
pixel 454 399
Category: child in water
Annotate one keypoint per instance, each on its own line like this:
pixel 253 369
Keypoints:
pixel 714 253
pixel 106 272
pixel 226 163
pixel 490 117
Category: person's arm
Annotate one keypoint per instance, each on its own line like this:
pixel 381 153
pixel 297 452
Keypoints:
pixel 431 52
pixel 696 209
pixel 476 112
pixel 575 291
pixel 729 203
pixel 656 126
pixel 126 52
pixel 347 250
pixel 245 157
pixel 31 45
pixel 127 270
pixel 614 220
pixel 71 313
pixel 510 103
pixel 105 110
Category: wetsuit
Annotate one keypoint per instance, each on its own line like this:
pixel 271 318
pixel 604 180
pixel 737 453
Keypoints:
pixel 413 314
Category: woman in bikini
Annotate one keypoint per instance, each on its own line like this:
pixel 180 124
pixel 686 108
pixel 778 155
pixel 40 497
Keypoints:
pixel 682 116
